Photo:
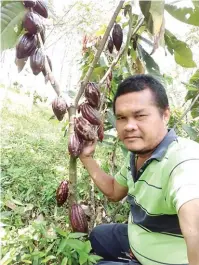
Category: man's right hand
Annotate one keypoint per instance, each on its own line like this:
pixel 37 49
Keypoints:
pixel 106 183
pixel 88 150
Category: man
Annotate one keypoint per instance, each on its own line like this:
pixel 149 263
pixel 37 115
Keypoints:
pixel 160 178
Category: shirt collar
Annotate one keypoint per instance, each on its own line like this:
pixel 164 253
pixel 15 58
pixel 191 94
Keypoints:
pixel 161 149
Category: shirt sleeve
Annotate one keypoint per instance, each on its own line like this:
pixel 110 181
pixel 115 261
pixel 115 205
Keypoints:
pixel 183 184
pixel 121 176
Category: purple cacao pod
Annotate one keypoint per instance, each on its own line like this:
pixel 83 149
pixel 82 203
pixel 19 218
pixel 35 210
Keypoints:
pixel 26 46
pixel 41 8
pixel 37 61
pixel 117 35
pixel 62 193
pixel 78 219
pixel 59 107
pixel 75 145
pixel 90 114
pixel 84 129
pixel 92 94
pixel 32 22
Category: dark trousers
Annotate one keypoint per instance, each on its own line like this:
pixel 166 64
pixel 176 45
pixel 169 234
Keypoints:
pixel 110 241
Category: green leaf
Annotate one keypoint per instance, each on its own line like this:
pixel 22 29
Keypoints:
pixel 194 80
pixel 195 112
pixel 76 235
pixel 12 13
pixel 98 72
pixel 151 66
pixel 75 244
pixel 62 245
pixel 101 31
pixel 153 12
pixel 186 14
pixel 48 258
pixel 190 131
pixel 111 118
pixel 61 232
pixel 26 261
pixel 64 261
pixel 87 246
pixel 193 87
pixel 182 53
pixel 83 257
pixel 8 257
pixel 94 258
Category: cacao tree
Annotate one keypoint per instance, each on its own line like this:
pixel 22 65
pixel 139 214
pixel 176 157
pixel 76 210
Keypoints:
pixel 125 47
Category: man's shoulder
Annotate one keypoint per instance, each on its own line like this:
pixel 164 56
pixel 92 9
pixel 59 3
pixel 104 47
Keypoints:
pixel 183 148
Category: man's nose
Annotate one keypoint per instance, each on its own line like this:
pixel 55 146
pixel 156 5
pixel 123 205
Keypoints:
pixel 130 125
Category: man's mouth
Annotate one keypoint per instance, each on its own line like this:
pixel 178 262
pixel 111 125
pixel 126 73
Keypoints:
pixel 131 137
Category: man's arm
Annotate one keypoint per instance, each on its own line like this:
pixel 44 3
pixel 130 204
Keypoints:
pixel 189 223
pixel 106 183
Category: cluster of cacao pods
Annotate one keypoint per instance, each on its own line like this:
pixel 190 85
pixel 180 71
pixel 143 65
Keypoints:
pixel 116 39
pixel 29 45
pixel 88 125
pixel 77 215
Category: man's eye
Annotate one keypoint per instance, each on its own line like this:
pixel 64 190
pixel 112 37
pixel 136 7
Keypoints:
pixel 141 115
pixel 120 118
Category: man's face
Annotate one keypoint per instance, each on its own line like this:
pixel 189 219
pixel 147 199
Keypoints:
pixel 139 123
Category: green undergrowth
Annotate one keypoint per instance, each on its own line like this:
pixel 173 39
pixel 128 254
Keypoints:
pixel 34 160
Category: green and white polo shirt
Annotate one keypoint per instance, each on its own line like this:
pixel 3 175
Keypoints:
pixel 168 179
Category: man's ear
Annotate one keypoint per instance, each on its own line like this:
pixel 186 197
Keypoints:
pixel 166 116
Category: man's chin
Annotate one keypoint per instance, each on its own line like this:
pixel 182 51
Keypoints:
pixel 133 147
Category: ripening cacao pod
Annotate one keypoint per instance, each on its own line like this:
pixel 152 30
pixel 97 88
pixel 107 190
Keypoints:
pixel 26 46
pixel 110 45
pixel 20 63
pixel 84 129
pixel 62 193
pixel 59 107
pixel 75 145
pixel 37 61
pixel 100 132
pixel 29 3
pixel 117 35
pixel 32 22
pixel 78 219
pixel 89 113
pixel 41 8
pixel 92 94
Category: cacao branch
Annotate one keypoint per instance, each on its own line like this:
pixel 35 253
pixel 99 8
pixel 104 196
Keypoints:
pixel 72 163
pixel 92 207
pixel 53 82
pixel 98 52
pixel 129 33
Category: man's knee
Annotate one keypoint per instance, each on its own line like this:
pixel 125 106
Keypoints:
pixel 97 234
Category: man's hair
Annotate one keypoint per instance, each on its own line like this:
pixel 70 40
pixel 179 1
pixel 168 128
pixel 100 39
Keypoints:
pixel 140 82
